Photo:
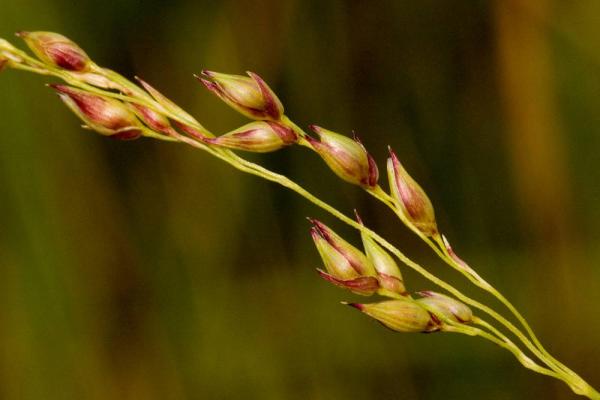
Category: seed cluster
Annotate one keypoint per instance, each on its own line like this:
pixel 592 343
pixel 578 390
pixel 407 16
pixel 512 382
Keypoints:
pixel 116 107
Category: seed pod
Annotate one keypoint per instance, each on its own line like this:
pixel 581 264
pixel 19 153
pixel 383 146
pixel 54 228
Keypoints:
pixel 346 157
pixel 446 306
pixel 106 116
pixel 57 50
pixel 410 197
pixel 402 315
pixel 355 258
pixel 249 96
pixel 258 136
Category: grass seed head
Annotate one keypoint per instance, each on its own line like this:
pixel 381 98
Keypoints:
pixel 250 96
pixel 402 315
pixel 104 115
pixel 388 272
pixel 154 120
pixel 356 258
pixel 346 157
pixel 57 50
pixel 446 306
pixel 410 197
pixel 257 136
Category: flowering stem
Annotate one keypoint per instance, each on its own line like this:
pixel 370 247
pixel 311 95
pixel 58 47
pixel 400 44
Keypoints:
pixel 135 95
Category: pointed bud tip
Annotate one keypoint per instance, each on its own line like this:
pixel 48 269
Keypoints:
pixel 315 128
pixel 314 233
pixel 205 78
pixel 393 155
pixel 58 87
pixel 357 216
pixel 311 140
pixel 358 306
pixel 22 34
pixel 446 242
pixel 208 84
pixel 313 221
pixel 320 227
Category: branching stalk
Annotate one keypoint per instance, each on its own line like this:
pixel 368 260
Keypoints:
pixel 114 106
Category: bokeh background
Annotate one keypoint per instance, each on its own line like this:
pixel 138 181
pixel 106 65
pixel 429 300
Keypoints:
pixel 146 270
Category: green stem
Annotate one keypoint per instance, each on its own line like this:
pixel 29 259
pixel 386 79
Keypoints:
pixel 510 346
pixel 482 283
pixel 578 385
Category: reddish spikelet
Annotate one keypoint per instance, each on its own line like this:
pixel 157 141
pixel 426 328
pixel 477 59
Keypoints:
pixel 346 157
pixel 410 197
pixel 105 115
pixel 57 50
pixel 250 96
pixel 258 137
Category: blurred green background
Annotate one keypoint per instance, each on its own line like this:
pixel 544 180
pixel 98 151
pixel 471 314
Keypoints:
pixel 147 270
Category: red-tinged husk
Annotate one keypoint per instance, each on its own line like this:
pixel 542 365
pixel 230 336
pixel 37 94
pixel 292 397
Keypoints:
pixel 363 285
pixel 401 315
pixel 410 197
pixel 355 257
pixel 104 115
pixel 336 264
pixel 446 306
pixel 258 137
pixel 250 96
pixel 57 50
pixel 346 157
pixel 155 121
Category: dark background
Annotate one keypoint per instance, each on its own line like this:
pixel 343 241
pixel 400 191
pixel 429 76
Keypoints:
pixel 147 270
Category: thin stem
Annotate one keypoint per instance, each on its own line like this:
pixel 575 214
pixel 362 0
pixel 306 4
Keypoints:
pixel 510 346
pixel 482 283
pixel 577 384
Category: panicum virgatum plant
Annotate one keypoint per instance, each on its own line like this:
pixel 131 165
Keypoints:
pixel 114 106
